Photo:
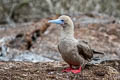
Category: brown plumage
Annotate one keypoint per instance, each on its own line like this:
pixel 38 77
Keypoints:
pixel 74 52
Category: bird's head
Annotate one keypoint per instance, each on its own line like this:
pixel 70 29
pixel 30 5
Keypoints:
pixel 64 21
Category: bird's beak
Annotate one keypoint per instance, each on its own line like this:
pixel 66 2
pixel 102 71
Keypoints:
pixel 56 21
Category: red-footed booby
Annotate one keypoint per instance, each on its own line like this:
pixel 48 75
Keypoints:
pixel 74 52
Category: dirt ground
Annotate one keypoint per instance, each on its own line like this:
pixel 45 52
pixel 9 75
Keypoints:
pixel 40 38
pixel 109 70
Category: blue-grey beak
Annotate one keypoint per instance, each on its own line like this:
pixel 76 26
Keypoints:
pixel 56 21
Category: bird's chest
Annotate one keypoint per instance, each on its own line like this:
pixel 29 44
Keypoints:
pixel 66 47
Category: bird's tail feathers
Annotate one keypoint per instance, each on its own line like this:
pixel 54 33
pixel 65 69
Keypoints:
pixel 97 55
pixel 97 52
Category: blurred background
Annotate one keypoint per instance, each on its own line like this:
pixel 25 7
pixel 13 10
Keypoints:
pixel 26 35
pixel 27 10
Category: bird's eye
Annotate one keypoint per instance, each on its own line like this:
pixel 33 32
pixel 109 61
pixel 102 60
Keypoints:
pixel 62 20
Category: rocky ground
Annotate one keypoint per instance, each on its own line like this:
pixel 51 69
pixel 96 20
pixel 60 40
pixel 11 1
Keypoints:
pixel 109 70
pixel 37 42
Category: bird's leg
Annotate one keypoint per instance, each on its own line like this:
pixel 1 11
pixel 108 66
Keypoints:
pixel 75 71
pixel 67 69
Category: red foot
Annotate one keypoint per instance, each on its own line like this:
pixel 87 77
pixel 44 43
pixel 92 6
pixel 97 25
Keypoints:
pixel 77 70
pixel 67 69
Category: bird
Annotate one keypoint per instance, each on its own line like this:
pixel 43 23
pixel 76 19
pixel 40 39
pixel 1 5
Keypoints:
pixel 74 52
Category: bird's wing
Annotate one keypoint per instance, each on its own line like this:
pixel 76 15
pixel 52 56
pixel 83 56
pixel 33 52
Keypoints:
pixel 84 50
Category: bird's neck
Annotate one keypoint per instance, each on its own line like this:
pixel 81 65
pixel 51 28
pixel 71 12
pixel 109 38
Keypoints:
pixel 67 33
